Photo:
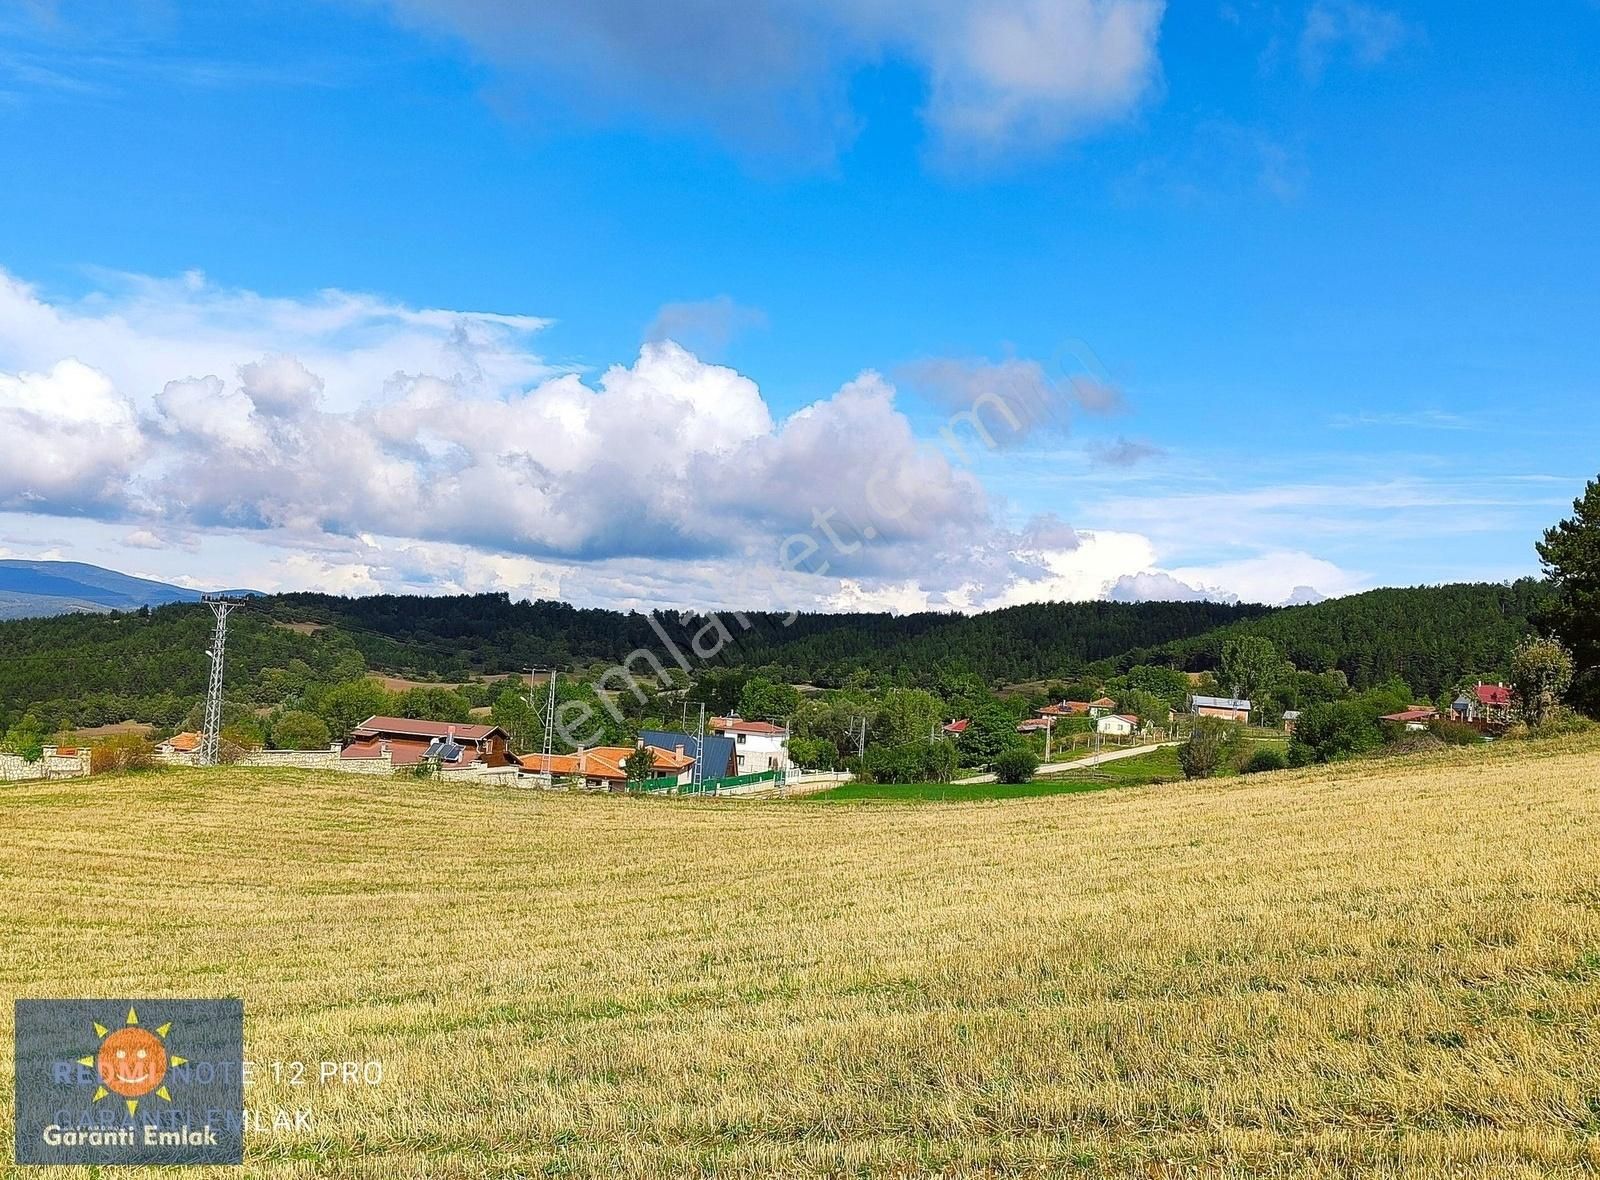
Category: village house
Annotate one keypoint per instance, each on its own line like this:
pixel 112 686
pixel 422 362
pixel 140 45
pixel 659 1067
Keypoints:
pixel 1486 704
pixel 1064 709
pixel 760 746
pixel 1094 708
pixel 956 727
pixel 1035 725
pixel 408 741
pixel 1228 708
pixel 1291 718
pixel 1117 725
pixel 719 761
pixel 604 767
pixel 1415 719
pixel 179 745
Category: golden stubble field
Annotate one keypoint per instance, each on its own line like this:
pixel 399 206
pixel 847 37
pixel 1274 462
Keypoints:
pixel 1390 969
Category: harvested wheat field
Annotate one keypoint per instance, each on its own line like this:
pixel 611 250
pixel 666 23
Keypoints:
pixel 1384 969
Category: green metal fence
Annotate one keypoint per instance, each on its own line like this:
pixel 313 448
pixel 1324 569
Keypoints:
pixel 711 786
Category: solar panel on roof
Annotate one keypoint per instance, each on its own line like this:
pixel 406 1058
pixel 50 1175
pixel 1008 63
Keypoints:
pixel 444 750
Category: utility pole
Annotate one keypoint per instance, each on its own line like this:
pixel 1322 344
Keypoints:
pixel 533 680
pixel 1049 729
pixel 210 740
pixel 783 769
pixel 861 742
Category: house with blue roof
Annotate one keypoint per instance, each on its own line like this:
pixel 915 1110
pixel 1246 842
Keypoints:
pixel 721 755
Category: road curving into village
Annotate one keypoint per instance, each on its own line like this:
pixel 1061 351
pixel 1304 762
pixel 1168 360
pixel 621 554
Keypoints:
pixel 1073 764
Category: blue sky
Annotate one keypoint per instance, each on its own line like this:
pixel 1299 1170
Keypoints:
pixel 1332 264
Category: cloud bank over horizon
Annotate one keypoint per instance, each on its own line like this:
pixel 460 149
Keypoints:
pixel 342 442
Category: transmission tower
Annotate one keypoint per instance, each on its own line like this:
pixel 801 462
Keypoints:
pixel 549 711
pixel 550 728
pixel 698 775
pixel 211 737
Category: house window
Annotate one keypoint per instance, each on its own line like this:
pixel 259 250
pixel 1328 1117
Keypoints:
pixel 740 739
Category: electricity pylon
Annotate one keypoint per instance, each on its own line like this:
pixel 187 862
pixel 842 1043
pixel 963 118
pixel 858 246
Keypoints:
pixel 210 739
pixel 547 750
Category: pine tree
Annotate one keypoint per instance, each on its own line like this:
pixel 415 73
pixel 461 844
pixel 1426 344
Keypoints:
pixel 1570 552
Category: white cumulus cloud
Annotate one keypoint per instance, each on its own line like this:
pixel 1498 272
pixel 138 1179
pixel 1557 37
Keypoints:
pixel 71 439
pixel 344 442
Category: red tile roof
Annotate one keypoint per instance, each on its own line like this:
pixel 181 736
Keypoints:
pixel 410 727
pixel 559 763
pixel 1064 709
pixel 1493 694
pixel 184 743
pixel 958 726
pixel 1420 713
pixel 403 750
pixel 605 762
pixel 740 725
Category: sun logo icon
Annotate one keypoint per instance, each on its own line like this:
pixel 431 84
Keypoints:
pixel 132 1062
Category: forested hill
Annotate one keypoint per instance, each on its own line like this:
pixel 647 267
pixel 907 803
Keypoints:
pixel 457 636
pixel 1429 636
pixel 151 665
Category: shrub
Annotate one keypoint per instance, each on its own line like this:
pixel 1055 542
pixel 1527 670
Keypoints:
pixel 235 741
pixel 639 766
pixel 909 762
pixel 1454 733
pixel 122 751
pixel 299 730
pixel 1334 730
pixel 25 738
pixel 1541 673
pixel 1015 765
pixel 1558 722
pixel 1210 743
pixel 1267 758
pixel 813 753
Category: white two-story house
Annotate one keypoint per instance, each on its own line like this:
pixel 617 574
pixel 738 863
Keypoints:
pixel 758 745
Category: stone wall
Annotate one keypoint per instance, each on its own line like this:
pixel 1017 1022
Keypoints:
pixel 329 759
pixel 477 772
pixel 318 760
pixel 296 760
pixel 55 763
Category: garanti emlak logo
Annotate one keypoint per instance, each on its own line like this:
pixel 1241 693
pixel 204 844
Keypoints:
pixel 130 1081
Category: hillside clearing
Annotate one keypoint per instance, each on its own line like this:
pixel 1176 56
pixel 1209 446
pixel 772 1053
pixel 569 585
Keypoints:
pixel 1375 970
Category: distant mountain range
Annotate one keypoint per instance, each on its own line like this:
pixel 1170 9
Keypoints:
pixel 32 589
